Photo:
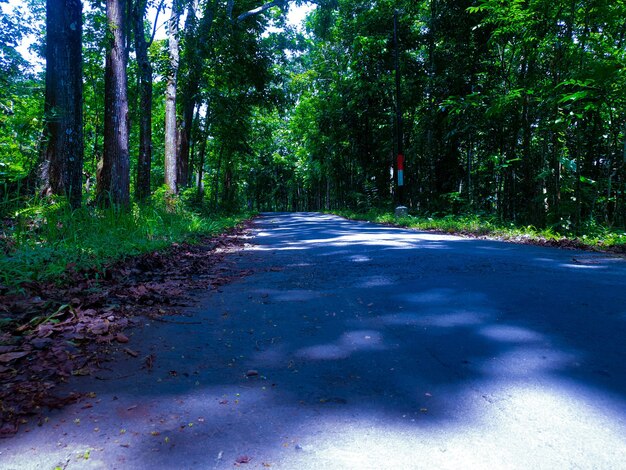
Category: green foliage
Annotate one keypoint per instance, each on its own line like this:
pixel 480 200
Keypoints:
pixel 94 32
pixel 47 239
pixel 596 237
pixel 514 110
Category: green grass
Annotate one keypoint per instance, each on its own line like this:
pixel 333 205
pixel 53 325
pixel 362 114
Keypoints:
pixel 43 241
pixel 596 236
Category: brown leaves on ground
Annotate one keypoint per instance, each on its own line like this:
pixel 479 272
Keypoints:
pixel 51 332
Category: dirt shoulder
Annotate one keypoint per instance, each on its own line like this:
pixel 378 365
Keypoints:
pixel 51 332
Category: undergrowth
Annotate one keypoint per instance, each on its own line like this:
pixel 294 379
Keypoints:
pixel 595 237
pixel 45 240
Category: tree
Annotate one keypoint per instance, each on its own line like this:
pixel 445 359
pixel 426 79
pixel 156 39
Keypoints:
pixel 64 150
pixel 144 161
pixel 114 175
pixel 21 105
pixel 171 129
pixel 186 97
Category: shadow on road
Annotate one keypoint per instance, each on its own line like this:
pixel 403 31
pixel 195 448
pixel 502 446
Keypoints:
pixel 355 345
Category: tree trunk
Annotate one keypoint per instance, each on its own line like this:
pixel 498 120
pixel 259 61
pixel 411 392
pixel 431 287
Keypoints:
pixel 188 91
pixel 216 180
pixel 171 133
pixel 114 177
pixel 204 136
pixel 144 162
pixel 196 36
pixel 64 151
pixel 189 103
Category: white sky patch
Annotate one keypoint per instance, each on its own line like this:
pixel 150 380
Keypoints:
pixel 295 18
pixel 164 16
pixel 297 14
pixel 23 48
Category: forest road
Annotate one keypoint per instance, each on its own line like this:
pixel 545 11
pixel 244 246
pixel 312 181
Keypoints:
pixel 352 345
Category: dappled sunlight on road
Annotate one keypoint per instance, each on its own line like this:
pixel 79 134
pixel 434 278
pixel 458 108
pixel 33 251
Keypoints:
pixel 445 319
pixel 349 343
pixel 510 333
pixel 351 346
pixel 384 240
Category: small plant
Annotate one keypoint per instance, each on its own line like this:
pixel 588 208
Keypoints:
pixel 47 239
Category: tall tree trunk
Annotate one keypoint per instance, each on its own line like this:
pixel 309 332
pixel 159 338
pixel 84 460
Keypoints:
pixel 204 136
pixel 216 180
pixel 114 177
pixel 197 131
pixel 64 151
pixel 195 40
pixel 144 162
pixel 171 133
pixel 186 126
pixel 188 88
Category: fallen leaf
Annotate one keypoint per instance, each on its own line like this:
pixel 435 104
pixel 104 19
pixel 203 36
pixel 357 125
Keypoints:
pixel 8 429
pixel 8 357
pixel 121 338
pixel 99 327
pixel 149 362
pixel 130 352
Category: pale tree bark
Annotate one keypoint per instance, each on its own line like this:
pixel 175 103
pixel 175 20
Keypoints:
pixel 177 137
pixel 144 161
pixel 64 148
pixel 204 135
pixel 114 175
pixel 188 91
pixel 171 133
pixel 195 53
pixel 261 9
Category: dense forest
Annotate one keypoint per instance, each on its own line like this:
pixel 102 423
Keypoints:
pixel 509 108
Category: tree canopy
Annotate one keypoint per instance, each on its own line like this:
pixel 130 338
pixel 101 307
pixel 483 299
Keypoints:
pixel 509 108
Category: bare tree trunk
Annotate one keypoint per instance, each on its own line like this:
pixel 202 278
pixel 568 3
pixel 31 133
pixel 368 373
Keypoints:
pixel 185 139
pixel 64 150
pixel 114 178
pixel 188 90
pixel 195 39
pixel 204 136
pixel 144 162
pixel 216 180
pixel 171 133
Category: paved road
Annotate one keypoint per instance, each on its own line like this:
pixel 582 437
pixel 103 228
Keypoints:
pixel 375 348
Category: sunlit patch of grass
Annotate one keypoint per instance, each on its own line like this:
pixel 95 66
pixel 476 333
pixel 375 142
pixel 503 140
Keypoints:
pixel 45 240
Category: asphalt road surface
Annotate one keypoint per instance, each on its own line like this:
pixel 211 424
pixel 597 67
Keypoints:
pixel 357 346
